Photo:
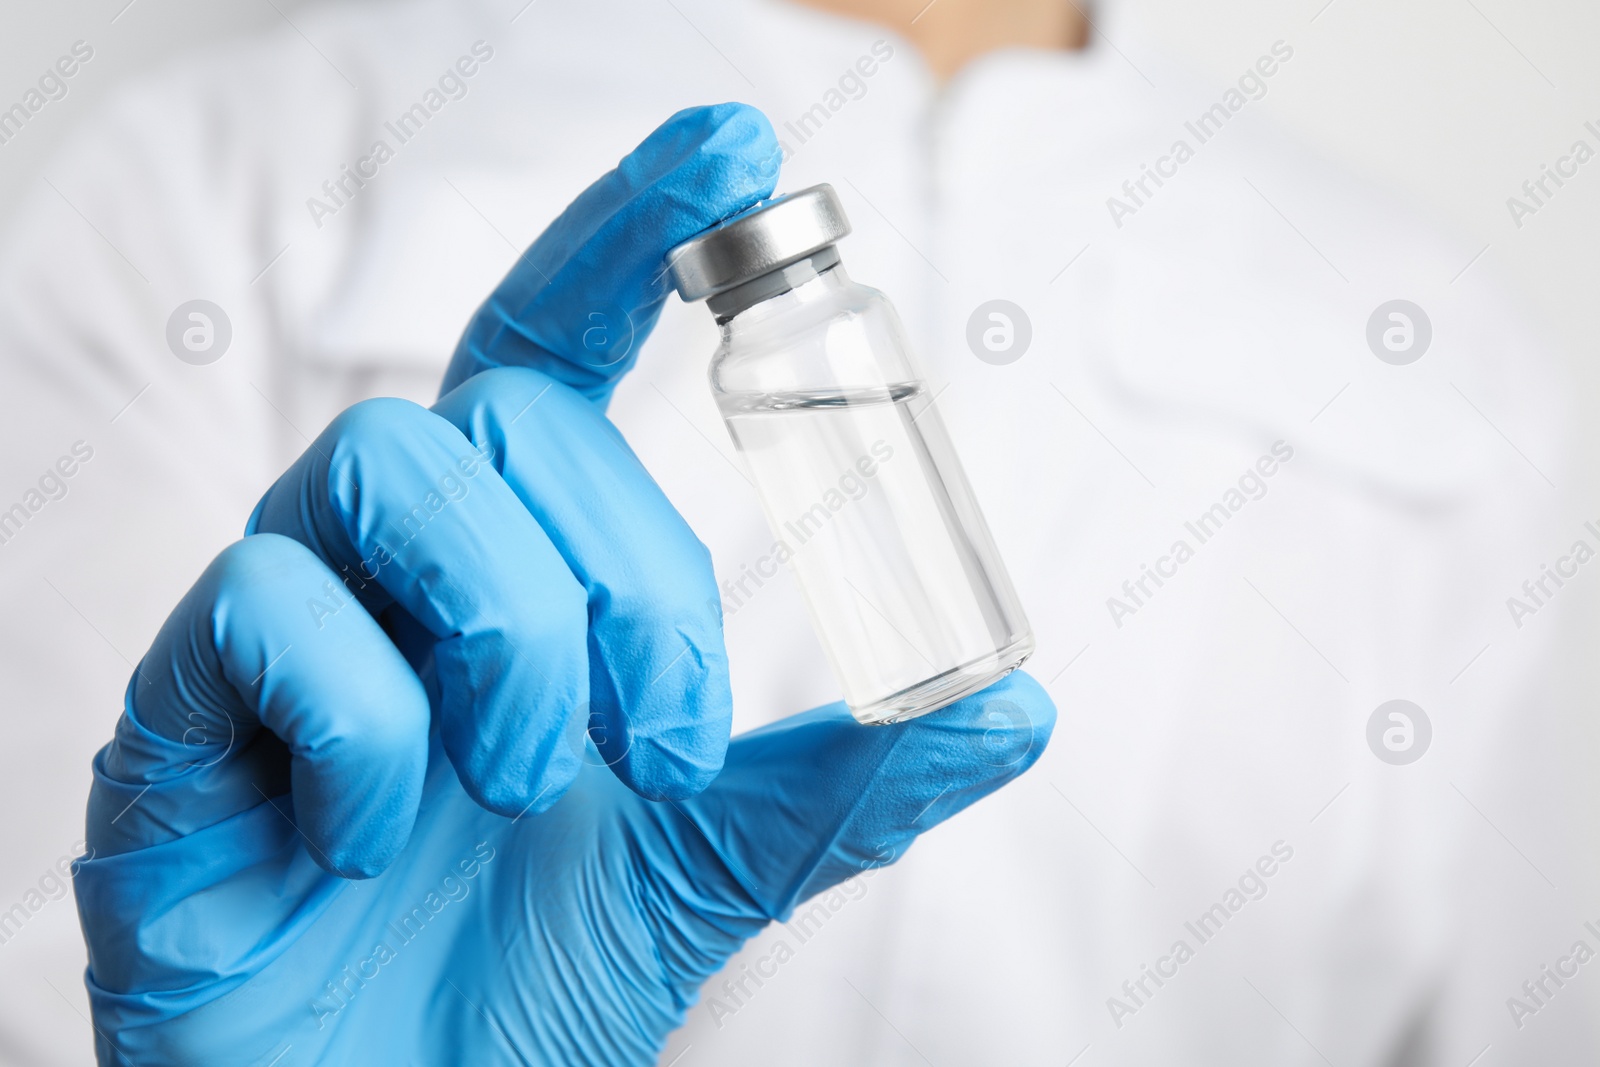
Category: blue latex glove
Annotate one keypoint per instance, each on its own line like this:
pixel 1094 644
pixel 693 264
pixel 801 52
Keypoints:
pixel 429 768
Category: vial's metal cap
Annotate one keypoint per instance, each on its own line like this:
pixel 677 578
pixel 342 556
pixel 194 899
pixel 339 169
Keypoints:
pixel 772 235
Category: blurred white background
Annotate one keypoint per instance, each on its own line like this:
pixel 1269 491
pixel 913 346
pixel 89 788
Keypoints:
pixel 1452 103
pixel 1449 104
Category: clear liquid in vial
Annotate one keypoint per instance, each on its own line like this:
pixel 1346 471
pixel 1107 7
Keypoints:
pixel 890 551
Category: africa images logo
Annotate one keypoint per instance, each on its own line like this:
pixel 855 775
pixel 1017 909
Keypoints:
pixel 1399 732
pixel 199 332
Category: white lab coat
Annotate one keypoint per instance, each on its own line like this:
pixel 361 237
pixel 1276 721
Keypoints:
pixel 1221 719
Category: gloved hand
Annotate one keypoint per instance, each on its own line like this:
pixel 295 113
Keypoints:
pixel 429 768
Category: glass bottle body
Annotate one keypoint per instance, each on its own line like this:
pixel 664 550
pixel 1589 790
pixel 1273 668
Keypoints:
pixel 867 499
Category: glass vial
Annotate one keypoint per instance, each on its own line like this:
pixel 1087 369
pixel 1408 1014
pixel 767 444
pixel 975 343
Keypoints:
pixel 854 467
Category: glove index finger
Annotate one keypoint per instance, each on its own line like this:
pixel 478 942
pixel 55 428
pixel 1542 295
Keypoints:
pixel 581 300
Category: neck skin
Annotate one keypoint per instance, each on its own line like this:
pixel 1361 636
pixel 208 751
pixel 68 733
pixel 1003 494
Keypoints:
pixel 952 33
